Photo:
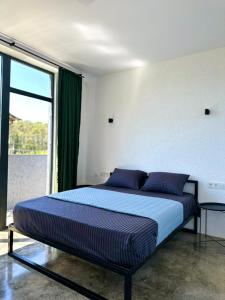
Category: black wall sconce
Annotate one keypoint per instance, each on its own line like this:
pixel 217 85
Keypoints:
pixel 110 120
pixel 207 111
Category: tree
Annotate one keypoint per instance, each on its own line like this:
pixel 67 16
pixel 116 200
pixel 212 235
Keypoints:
pixel 26 137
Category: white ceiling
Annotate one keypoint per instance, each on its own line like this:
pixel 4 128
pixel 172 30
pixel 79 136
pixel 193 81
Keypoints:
pixel 101 36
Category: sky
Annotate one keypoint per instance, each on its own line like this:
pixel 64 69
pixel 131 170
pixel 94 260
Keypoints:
pixel 29 108
pixel 31 80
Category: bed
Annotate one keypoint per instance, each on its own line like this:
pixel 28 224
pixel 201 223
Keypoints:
pixel 119 239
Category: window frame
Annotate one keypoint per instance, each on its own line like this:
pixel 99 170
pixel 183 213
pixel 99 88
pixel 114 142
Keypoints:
pixel 4 125
pixel 30 94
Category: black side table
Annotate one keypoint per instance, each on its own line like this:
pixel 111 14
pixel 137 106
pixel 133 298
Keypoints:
pixel 213 206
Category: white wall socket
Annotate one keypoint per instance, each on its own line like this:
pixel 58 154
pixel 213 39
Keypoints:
pixel 216 185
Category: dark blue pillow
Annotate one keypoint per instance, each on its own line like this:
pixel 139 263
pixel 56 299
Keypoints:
pixel 132 179
pixel 162 182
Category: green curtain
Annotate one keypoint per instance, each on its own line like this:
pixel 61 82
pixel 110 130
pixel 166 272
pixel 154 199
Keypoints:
pixel 69 111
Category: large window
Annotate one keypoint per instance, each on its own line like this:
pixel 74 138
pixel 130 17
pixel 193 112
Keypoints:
pixel 29 125
pixel 28 101
pixel 29 79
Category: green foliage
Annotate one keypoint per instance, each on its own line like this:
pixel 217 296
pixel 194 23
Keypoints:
pixel 26 137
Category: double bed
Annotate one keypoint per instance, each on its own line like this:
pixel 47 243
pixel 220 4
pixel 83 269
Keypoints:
pixel 119 232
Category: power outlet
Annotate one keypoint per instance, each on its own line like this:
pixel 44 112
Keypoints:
pixel 216 185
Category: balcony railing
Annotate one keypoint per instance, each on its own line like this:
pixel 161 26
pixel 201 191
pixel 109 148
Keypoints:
pixel 27 177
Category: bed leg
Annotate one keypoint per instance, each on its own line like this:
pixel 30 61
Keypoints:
pixel 128 287
pixel 196 224
pixel 10 240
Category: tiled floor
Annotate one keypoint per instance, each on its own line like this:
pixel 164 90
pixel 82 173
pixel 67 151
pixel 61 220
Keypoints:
pixel 182 270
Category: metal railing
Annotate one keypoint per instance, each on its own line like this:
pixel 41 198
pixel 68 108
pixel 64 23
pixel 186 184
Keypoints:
pixel 27 177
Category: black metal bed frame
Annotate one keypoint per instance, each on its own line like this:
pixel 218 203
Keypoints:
pixel 124 271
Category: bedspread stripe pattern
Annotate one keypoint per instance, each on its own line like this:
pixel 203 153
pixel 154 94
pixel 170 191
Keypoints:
pixel 167 213
pixel 120 238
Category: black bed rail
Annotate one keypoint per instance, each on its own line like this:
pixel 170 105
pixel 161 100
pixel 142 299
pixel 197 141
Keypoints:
pixel 195 182
pixel 197 214
pixel 126 272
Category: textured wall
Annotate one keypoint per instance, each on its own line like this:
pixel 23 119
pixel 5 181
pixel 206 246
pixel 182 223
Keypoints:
pixel 159 123
pixel 27 177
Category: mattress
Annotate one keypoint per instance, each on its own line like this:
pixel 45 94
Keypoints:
pixel 124 239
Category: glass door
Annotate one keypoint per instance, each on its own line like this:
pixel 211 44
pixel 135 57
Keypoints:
pixel 4 108
pixel 27 173
pixel 2 207
pixel 29 151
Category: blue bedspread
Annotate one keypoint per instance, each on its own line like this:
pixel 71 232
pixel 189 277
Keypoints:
pixel 167 213
pixel 111 236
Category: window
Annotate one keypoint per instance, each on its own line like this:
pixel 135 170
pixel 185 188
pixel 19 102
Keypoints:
pixel 30 79
pixel 26 133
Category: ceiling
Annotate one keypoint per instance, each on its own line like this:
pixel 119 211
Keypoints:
pixel 101 36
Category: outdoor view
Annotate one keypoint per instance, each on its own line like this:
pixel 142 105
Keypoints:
pixel 28 126
pixel 29 135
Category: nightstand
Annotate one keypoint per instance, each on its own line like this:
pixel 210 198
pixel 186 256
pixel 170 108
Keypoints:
pixel 212 206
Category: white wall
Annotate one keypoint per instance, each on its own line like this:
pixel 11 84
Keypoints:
pixel 159 123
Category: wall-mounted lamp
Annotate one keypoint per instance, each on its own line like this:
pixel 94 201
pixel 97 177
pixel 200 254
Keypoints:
pixel 207 111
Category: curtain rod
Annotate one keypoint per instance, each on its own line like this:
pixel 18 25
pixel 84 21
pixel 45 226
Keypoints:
pixel 14 45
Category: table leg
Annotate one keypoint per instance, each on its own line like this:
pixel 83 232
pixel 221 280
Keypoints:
pixel 200 226
pixel 206 213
